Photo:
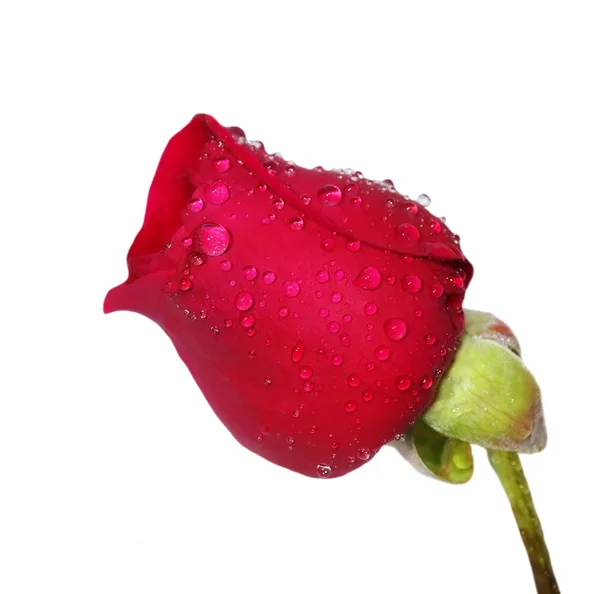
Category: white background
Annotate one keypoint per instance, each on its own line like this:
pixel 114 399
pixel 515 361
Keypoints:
pixel 115 476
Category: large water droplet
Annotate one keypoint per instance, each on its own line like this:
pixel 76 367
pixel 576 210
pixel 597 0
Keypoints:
pixel 195 203
pixel 249 272
pixel 244 300
pixel 395 328
pixel 291 288
pixel 437 290
pixel 269 278
pixel 212 239
pixel 369 278
pixel 330 195
pixel 296 224
pixel 217 192
pixel 408 233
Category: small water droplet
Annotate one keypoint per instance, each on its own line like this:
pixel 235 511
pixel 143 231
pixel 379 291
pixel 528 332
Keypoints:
pixel 186 241
pixel 324 312
pixel 336 297
pixel 225 265
pixel 212 239
pixel 371 309
pixel 298 351
pixel 306 372
pixel 330 195
pixel 228 323
pixel 306 200
pixel 354 380
pixel 296 224
pixel 244 301
pixel 217 193
pixel 247 320
pixel 457 281
pixel 367 395
pixel 403 383
pixel 323 276
pixel 353 246
pixel 278 202
pixel 363 454
pixel 333 327
pixel 351 190
pixel 269 278
pixel 426 383
pixel 382 353
pixel 408 233
pixel 337 360
pixel 327 245
pixel 423 200
pixel 249 273
pixel 437 290
pixel 284 312
pixel 222 165
pixel 345 339
pixel 323 470
pixel 308 386
pixel 350 406
pixel 411 284
pixel 436 226
pixel 395 328
pixel 195 203
pixel 369 278
pixel 185 284
pixel 430 339
pixel 290 288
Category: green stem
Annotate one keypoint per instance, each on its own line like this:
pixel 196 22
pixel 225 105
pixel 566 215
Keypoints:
pixel 510 472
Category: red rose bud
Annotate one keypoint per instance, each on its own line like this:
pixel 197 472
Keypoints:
pixel 316 310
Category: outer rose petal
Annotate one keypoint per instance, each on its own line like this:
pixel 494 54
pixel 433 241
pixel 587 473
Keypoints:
pixel 320 324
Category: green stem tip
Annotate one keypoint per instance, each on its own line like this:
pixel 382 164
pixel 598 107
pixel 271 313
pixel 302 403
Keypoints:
pixel 510 472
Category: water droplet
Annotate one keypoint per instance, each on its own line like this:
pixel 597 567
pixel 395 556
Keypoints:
pixel 267 381
pixel 222 165
pixel 353 246
pixel 249 272
pixel 351 190
pixel 185 284
pixel 186 241
pixel 411 284
pixel 430 339
pixel 367 395
pixel 195 203
pixel 247 320
pixel 323 470
pixel 306 372
pixel 327 245
pixel 278 202
pixel 269 278
pixel 225 265
pixel 350 406
pixel 423 200
pixel 457 281
pixel 217 193
pixel 426 383
pixel 363 454
pixel 369 278
pixel 345 339
pixel 333 327
pixel 212 239
pixel 324 312
pixel 336 297
pixel 290 288
pixel 296 224
pixel 323 276
pixel 330 195
pixel 271 167
pixel 411 207
pixel 308 386
pixel 395 329
pixel 228 323
pixel 347 318
pixel 306 200
pixel 403 383
pixel 284 312
pixel 437 290
pixel 196 259
pixel 382 353
pixel 371 309
pixel 298 351
pixel 354 380
pixel 436 226
pixel 418 313
pixel 244 301
pixel 408 233
pixel 337 360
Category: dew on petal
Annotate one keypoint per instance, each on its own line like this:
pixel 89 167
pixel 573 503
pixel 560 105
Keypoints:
pixel 305 372
pixel 296 224
pixel 222 165
pixel 217 193
pixel 367 395
pixel 186 241
pixel 345 339
pixel 426 383
pixel 323 470
pixel 370 308
pixel 195 204
pixel 290 288
pixel 298 351
pixel 437 290
pixel 382 353
pixel 330 195
pixel 327 245
pixel 336 297
pixel 225 265
pixel 324 312
pixel 350 406
pixel 284 312
pixel 333 327
pixel 269 278
pixel 430 339
pixel 337 360
pixel 395 329
pixel 247 320
pixel 249 272
pixel 403 383
pixel 354 380
pixel 244 301
pixel 423 200
pixel 323 276
pixel 369 278
pixel 411 284
pixel 363 454
pixel 351 190
pixel 185 284
pixel 353 246
pixel 212 239
pixel 408 233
